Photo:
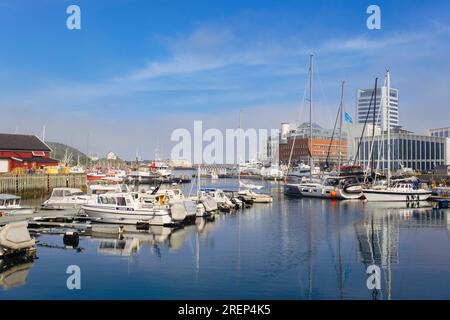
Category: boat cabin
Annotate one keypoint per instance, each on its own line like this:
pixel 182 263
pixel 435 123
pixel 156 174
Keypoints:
pixel 9 201
pixel 116 199
pixel 66 193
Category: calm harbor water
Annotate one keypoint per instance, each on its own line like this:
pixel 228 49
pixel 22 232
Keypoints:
pixel 291 249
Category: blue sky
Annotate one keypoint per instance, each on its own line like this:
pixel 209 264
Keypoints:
pixel 139 69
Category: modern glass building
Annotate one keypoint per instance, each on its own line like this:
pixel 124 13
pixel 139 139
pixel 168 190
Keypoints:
pixel 364 97
pixel 440 132
pixel 418 152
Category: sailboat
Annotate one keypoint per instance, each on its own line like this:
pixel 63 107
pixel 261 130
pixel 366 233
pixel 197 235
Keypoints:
pixel 343 184
pixel 294 189
pixel 340 185
pixel 403 190
pixel 206 205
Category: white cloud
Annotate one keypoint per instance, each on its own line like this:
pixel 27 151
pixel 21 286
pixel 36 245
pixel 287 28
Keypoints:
pixel 208 67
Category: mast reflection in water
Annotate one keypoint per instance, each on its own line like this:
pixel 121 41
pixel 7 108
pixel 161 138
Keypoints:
pixel 290 249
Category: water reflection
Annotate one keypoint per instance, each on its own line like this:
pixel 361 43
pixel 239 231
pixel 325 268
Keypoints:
pixel 378 235
pixel 291 249
pixel 133 240
pixel 14 271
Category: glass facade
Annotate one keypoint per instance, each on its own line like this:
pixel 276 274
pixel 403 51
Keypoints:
pixel 421 153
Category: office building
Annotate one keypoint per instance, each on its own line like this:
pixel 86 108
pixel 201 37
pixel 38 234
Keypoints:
pixel 363 112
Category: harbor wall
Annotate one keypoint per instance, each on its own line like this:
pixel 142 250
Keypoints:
pixel 39 184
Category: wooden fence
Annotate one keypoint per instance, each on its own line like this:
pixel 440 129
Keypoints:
pixel 28 185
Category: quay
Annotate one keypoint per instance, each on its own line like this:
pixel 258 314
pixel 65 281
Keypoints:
pixel 32 184
pixel 50 215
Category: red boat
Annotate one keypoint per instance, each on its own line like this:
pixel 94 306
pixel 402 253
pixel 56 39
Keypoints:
pixel 94 176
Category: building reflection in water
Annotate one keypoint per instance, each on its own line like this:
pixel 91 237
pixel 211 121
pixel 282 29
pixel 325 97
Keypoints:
pixel 378 235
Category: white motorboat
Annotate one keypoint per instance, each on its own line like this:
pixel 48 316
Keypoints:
pixel 160 169
pixel 250 186
pixel 96 189
pixel 123 208
pixel 272 172
pixel 208 202
pixel 222 201
pixel 77 169
pixel 65 198
pixel 205 204
pixel 256 197
pixel 302 170
pixel 180 207
pixel 213 175
pixel 10 205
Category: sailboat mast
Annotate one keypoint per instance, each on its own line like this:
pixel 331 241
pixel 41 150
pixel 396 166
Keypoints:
pixel 311 57
pixel 388 83
pixel 239 158
pixel 198 181
pixel 372 167
pixel 341 111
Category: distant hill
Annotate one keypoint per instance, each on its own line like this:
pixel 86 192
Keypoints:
pixel 59 153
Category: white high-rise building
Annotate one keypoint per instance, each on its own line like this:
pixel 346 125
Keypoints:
pixel 364 97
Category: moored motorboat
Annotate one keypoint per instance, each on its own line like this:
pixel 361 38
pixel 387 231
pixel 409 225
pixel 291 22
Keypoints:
pixel 10 205
pixel 95 176
pixel 65 198
pixel 218 195
pixel 256 197
pixel 123 208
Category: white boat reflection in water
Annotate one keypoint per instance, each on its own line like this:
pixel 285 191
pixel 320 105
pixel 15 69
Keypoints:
pixel 14 272
pixel 132 240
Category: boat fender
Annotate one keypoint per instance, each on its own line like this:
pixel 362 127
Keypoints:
pixel 145 226
pixel 71 239
pixel 333 194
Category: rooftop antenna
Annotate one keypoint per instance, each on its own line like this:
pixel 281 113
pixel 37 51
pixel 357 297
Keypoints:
pixel 43 133
pixel 87 150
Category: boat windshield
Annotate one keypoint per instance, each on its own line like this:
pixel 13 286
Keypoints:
pixel 9 202
pixel 57 193
pixel 331 182
pixel 107 200
pixel 121 201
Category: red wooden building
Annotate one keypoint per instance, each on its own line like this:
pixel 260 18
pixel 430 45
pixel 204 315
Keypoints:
pixel 23 151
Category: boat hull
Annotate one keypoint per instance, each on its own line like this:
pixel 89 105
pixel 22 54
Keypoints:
pixel 114 214
pixel 17 211
pixel 386 195
pixel 292 190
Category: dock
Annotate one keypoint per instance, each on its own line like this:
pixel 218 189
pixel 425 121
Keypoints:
pixel 33 184
pixel 26 217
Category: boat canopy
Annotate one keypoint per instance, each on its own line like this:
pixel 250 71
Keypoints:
pixel 66 192
pixel 9 197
